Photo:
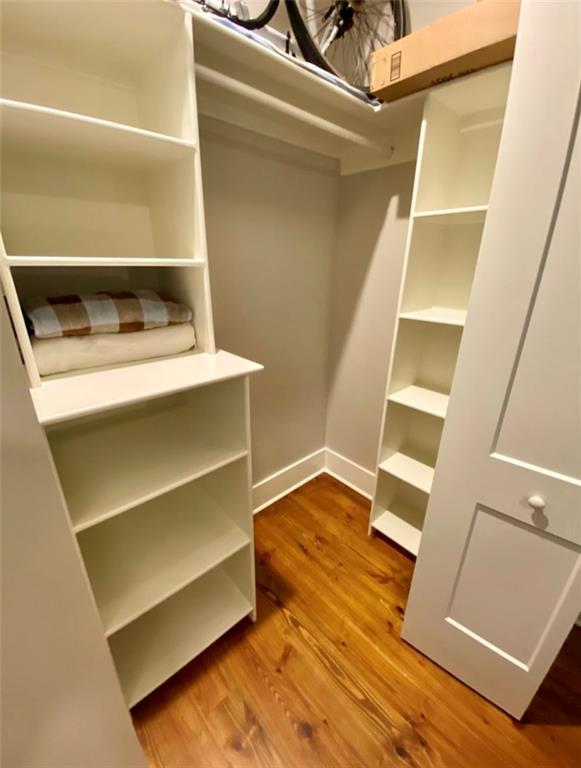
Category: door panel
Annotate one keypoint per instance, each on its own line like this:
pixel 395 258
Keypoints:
pixel 547 564
pixel 497 584
pixel 540 422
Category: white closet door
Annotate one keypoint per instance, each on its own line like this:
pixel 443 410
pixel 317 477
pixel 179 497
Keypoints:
pixel 497 585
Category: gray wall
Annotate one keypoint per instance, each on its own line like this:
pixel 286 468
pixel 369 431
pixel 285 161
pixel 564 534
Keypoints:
pixel 371 234
pixel 424 12
pixel 271 214
pixel 305 270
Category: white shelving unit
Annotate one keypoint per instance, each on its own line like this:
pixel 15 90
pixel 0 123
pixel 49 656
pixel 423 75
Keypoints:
pixel 159 643
pixel 139 559
pixel 101 190
pixel 459 140
pixel 421 399
pixel 100 159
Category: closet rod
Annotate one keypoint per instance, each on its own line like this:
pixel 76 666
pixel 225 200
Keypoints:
pixel 272 102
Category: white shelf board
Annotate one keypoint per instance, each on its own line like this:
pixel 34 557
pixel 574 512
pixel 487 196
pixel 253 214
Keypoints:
pixel 472 214
pixel 152 558
pixel 99 261
pixel 46 130
pixel 396 527
pixel 81 394
pixel 162 641
pixel 135 471
pixel 441 315
pixel 293 104
pixel 409 470
pixel 212 35
pixel 202 462
pixel 422 399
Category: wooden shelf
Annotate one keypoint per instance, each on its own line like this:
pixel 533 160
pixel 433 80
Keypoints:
pixel 74 135
pixel 99 261
pixel 403 525
pixel 147 449
pixel 162 641
pixel 461 130
pixel 101 190
pixel 210 461
pixel 115 191
pixel 81 394
pixel 422 399
pixel 441 315
pixel 472 214
pixel 251 86
pixel 110 60
pixel 145 556
pixel 409 470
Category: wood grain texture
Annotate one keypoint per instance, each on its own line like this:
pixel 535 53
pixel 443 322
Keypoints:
pixel 323 678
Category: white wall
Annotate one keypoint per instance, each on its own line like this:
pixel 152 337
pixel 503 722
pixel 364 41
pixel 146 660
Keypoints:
pixel 372 228
pixel 424 12
pixel 305 269
pixel 271 211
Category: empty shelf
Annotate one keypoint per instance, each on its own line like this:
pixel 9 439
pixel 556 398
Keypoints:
pixel 409 470
pixel 84 393
pixel 111 59
pixel 402 526
pixel 162 641
pixel 34 127
pixel 442 315
pixel 100 261
pixel 90 503
pixel 144 557
pixel 421 399
pixel 146 450
pixel 472 214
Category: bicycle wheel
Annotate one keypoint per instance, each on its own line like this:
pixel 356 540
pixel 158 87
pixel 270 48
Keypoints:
pixel 250 14
pixel 340 35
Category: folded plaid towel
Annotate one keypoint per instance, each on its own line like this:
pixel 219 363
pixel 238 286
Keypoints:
pixel 85 314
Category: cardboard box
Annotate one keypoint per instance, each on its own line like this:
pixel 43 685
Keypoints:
pixel 475 37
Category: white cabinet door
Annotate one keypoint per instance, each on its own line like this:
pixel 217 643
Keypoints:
pixel 497 585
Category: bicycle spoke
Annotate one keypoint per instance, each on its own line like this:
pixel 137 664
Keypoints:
pixel 369 26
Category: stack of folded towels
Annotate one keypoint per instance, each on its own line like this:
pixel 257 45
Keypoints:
pixel 92 329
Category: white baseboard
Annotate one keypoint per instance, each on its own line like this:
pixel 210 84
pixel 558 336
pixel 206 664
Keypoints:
pixel 350 473
pixel 289 478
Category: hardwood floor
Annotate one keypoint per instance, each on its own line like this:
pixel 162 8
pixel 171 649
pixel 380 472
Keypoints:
pixel 322 679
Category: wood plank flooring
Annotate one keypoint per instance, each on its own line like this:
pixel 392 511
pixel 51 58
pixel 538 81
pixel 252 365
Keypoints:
pixel 323 679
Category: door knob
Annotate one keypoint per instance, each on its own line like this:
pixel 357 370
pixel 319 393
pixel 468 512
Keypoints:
pixel 537 503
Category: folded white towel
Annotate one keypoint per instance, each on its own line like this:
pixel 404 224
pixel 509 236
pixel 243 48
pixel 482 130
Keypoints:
pixel 76 352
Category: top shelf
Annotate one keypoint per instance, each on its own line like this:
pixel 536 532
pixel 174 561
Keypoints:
pixel 69 397
pixel 246 84
pixel 109 60
pixel 462 131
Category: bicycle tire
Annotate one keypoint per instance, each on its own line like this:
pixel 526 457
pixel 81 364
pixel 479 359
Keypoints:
pixel 305 42
pixel 309 48
pixel 258 22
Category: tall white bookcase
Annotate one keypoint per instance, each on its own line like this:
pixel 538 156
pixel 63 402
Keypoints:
pixel 101 189
pixel 458 145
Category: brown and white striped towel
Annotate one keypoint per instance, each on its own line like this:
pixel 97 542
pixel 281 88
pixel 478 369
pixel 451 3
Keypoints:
pixel 85 314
